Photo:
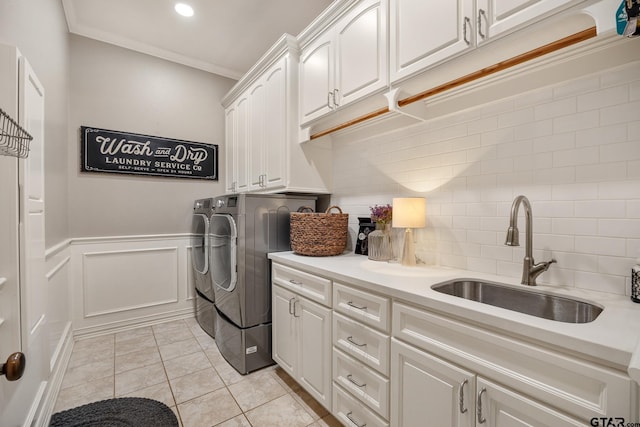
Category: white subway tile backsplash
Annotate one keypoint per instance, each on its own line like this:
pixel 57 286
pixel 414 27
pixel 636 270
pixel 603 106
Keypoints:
pixel 573 149
pixel 603 98
pixel 558 108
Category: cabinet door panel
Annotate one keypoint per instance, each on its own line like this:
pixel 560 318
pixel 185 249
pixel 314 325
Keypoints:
pixel 275 147
pixel 425 32
pixel 427 390
pixel 242 145
pixel 315 349
pixel 230 149
pixel 503 15
pixel 361 64
pixel 316 78
pixel 284 330
pixel 256 140
pixel 502 407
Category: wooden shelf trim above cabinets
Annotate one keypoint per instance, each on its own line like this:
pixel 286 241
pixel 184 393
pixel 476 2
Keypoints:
pixel 492 69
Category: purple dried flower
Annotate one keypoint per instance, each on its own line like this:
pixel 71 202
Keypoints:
pixel 381 214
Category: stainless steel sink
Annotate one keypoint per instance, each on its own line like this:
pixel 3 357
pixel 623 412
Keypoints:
pixel 552 307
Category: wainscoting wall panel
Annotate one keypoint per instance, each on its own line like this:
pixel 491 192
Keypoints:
pixel 128 281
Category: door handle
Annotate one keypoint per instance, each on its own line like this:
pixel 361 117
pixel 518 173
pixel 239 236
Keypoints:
pixel 481 419
pixel 461 396
pixel 467 21
pixel 14 368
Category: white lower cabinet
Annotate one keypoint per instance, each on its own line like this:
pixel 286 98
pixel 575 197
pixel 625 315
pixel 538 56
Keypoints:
pixel 301 337
pixel 431 391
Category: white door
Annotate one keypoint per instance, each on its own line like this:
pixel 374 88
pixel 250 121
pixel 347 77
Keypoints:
pixel 230 149
pixel 241 169
pixel 425 32
pixel 314 349
pixel 316 78
pixel 276 125
pixel 361 43
pixel 23 295
pixel 498 16
pixel 284 330
pixel 256 141
pixel 428 388
pixel 501 407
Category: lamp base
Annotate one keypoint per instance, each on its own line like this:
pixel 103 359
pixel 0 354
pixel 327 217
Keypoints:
pixel 408 251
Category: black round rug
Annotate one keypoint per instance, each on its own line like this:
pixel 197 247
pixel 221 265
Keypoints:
pixel 121 412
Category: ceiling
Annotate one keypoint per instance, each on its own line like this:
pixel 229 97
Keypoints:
pixel 224 37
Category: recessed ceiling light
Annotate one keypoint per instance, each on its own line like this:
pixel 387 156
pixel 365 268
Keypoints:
pixel 184 9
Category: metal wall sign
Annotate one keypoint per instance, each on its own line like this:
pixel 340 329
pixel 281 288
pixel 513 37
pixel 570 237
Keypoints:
pixel 112 151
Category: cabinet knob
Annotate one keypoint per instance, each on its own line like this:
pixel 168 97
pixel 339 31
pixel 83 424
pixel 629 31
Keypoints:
pixel 14 368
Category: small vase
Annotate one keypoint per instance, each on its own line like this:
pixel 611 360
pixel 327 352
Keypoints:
pixel 380 244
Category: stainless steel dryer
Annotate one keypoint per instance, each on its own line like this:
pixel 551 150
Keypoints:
pixel 205 310
pixel 243 229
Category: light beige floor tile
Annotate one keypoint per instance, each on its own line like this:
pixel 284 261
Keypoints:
pixel 177 414
pixel 92 350
pixel 168 336
pixel 204 339
pixel 134 333
pixel 137 359
pixel 256 389
pixel 239 421
pixel 213 354
pixel 209 410
pixel 312 406
pixel 84 393
pixel 135 344
pixel 184 365
pixel 180 348
pixel 160 392
pixel 285 380
pixel 283 411
pixel 195 384
pixel 84 373
pixel 136 379
pixel 167 326
pixel 228 374
pixel 192 322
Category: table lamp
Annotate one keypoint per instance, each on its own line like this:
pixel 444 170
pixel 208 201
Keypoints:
pixel 408 213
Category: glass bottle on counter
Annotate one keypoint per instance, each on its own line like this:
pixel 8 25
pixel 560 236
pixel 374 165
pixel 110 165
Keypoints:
pixel 381 243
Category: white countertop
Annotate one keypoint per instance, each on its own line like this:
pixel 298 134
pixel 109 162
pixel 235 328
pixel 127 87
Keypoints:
pixel 612 338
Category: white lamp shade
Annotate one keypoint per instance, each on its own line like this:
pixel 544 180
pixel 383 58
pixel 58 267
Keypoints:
pixel 409 212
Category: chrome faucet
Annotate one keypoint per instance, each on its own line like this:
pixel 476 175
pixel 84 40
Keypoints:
pixel 530 270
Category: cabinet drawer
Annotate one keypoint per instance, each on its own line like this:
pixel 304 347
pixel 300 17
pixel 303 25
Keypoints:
pixel 353 413
pixel 576 386
pixel 362 382
pixel 370 309
pixel 361 342
pixel 315 288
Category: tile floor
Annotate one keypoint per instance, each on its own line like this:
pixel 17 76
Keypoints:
pixel 179 364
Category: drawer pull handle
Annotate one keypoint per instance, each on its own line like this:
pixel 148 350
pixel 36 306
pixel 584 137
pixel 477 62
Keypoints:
pixel 481 419
pixel 461 395
pixel 295 282
pixel 358 307
pixel 350 378
pixel 354 421
pixel 290 310
pixel 350 339
pixel 294 308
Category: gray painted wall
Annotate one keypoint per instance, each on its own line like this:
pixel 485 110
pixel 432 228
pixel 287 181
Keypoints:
pixel 118 89
pixel 39 29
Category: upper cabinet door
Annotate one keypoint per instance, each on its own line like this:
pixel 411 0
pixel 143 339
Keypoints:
pixel 230 149
pixel 498 16
pixel 275 154
pixel 316 78
pixel 361 52
pixel 425 32
pixel 242 145
pixel 256 140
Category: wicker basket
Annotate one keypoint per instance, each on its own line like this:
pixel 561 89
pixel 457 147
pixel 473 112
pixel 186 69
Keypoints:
pixel 318 234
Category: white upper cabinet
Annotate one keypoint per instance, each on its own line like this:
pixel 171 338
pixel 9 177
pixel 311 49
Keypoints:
pixel 346 62
pixel 495 17
pixel 261 135
pixel 425 32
